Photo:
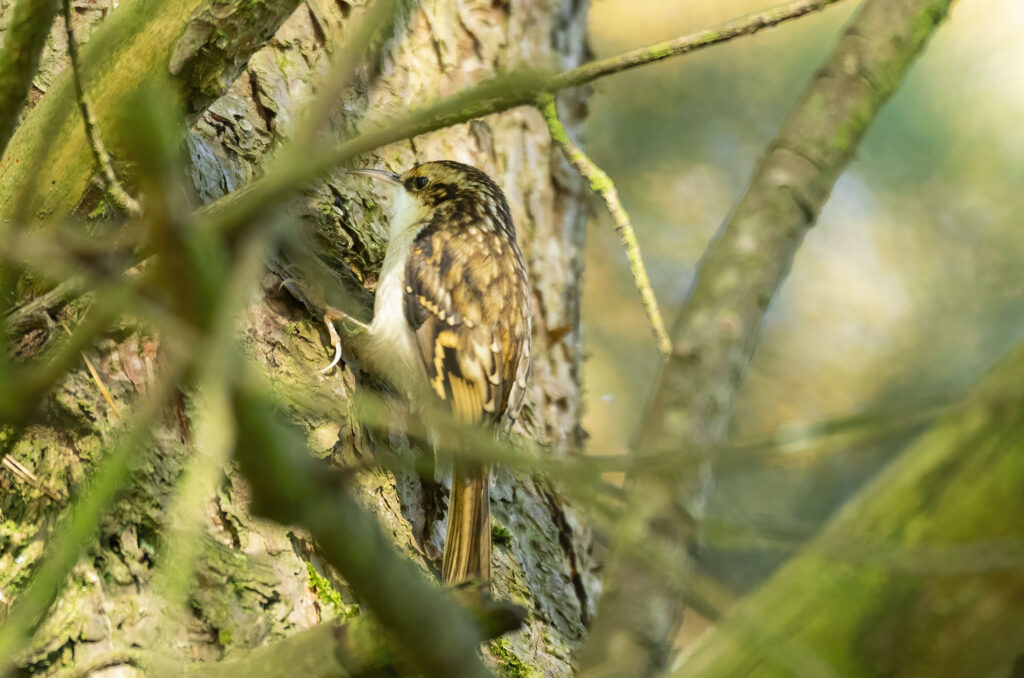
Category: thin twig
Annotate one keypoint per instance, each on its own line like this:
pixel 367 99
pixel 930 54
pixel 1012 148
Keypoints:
pixel 744 25
pixel 115 191
pixel 492 96
pixel 601 184
pixel 22 472
pixel 96 378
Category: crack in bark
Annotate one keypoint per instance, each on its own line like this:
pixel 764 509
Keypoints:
pixel 228 524
pixel 478 47
pixel 265 113
pixel 565 539
pixel 319 33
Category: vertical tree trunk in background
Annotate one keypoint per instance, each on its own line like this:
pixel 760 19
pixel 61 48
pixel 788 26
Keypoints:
pixel 259 581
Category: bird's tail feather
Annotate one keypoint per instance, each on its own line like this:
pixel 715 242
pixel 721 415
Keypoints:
pixel 467 544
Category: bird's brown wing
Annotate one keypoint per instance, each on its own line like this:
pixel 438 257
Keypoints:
pixel 466 299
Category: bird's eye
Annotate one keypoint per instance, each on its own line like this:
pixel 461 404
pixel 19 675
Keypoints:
pixel 420 182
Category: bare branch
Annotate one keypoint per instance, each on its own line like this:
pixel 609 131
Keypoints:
pixel 746 25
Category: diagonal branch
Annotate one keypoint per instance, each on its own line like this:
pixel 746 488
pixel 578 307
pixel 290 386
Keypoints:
pixel 745 25
pixel 289 486
pixel 492 96
pixel 19 57
pixel 601 184
pixel 300 165
pixel 715 336
pixel 203 44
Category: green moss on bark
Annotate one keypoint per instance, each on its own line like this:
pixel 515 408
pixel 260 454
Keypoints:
pixel 508 664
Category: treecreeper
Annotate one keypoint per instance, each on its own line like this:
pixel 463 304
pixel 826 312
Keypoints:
pixel 451 326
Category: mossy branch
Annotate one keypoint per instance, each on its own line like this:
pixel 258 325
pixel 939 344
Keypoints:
pixel 494 96
pixel 715 336
pixel 601 184
pixel 299 165
pixel 203 44
pixel 19 57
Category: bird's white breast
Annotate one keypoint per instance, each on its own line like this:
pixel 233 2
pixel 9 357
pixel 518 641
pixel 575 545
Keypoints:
pixel 392 341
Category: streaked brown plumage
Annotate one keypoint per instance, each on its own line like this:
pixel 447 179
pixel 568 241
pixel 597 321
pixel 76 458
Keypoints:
pixel 452 319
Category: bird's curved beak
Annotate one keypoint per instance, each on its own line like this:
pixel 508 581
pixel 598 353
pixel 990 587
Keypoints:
pixel 380 175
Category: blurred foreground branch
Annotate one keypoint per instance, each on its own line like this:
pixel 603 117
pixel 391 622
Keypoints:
pixel 19 56
pixel 297 166
pixel 715 336
pixel 68 157
pixel 945 591
pixel 289 486
pixel 355 649
pixel 72 154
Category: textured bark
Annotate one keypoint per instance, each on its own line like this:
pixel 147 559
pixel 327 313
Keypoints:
pixel 921 574
pixel 258 581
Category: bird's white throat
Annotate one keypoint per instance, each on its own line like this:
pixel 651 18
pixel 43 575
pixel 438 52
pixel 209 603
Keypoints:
pixel 391 340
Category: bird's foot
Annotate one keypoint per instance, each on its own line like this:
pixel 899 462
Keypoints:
pixel 314 299
pixel 331 315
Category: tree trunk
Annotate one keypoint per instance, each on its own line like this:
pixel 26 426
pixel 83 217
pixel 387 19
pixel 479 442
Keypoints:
pixel 258 581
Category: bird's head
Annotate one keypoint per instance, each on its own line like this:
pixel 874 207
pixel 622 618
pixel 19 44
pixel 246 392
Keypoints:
pixel 458 194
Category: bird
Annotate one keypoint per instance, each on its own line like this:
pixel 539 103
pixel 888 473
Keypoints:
pixel 452 323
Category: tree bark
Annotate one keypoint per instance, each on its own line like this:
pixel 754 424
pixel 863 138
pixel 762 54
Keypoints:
pixel 257 581
pixel 920 574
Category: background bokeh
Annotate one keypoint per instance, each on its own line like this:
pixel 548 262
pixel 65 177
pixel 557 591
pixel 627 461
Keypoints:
pixel 908 288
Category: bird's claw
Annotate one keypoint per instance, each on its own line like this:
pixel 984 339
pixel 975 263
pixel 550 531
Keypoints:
pixel 335 342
